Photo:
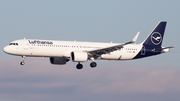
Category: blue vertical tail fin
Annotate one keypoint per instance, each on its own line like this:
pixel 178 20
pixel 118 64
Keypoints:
pixel 156 36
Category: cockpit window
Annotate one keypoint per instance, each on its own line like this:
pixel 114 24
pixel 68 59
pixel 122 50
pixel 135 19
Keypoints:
pixel 14 44
pixel 10 43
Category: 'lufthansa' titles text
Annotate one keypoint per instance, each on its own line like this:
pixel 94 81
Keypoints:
pixel 40 42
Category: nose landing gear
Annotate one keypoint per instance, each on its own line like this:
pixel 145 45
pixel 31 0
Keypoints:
pixel 22 63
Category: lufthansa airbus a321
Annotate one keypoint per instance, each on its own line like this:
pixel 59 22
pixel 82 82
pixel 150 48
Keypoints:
pixel 60 52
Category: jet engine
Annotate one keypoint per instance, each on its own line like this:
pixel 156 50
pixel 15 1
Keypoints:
pixel 79 56
pixel 58 60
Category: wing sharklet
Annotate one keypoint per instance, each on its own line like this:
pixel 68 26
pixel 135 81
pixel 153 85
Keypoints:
pixel 135 37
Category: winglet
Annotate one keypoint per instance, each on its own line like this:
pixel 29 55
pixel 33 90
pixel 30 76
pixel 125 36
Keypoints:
pixel 135 38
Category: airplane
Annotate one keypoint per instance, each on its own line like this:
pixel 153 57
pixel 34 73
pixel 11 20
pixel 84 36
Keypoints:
pixel 60 52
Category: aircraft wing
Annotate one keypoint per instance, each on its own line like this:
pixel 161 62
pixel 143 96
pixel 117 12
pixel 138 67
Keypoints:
pixel 97 53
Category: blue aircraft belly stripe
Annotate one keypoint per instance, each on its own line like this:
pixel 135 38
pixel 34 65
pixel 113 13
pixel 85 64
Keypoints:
pixel 146 52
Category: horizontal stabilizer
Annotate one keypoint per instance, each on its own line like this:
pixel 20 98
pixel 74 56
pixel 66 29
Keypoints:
pixel 161 49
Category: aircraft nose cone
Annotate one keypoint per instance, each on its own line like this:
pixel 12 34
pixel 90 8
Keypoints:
pixel 6 49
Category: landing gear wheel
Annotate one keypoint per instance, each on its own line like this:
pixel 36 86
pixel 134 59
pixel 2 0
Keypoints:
pixel 93 64
pixel 22 63
pixel 79 66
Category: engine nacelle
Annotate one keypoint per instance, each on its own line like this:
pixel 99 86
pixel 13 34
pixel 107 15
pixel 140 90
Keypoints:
pixel 58 60
pixel 79 56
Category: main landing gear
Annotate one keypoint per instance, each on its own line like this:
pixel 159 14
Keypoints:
pixel 93 64
pixel 22 63
pixel 80 66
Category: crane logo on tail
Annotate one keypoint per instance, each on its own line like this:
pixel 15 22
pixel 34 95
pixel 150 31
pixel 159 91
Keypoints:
pixel 156 38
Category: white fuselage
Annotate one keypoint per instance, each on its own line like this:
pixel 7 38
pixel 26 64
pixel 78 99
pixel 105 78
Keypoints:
pixel 50 48
pixel 60 52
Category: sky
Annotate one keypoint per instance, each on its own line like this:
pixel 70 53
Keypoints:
pixel 154 78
